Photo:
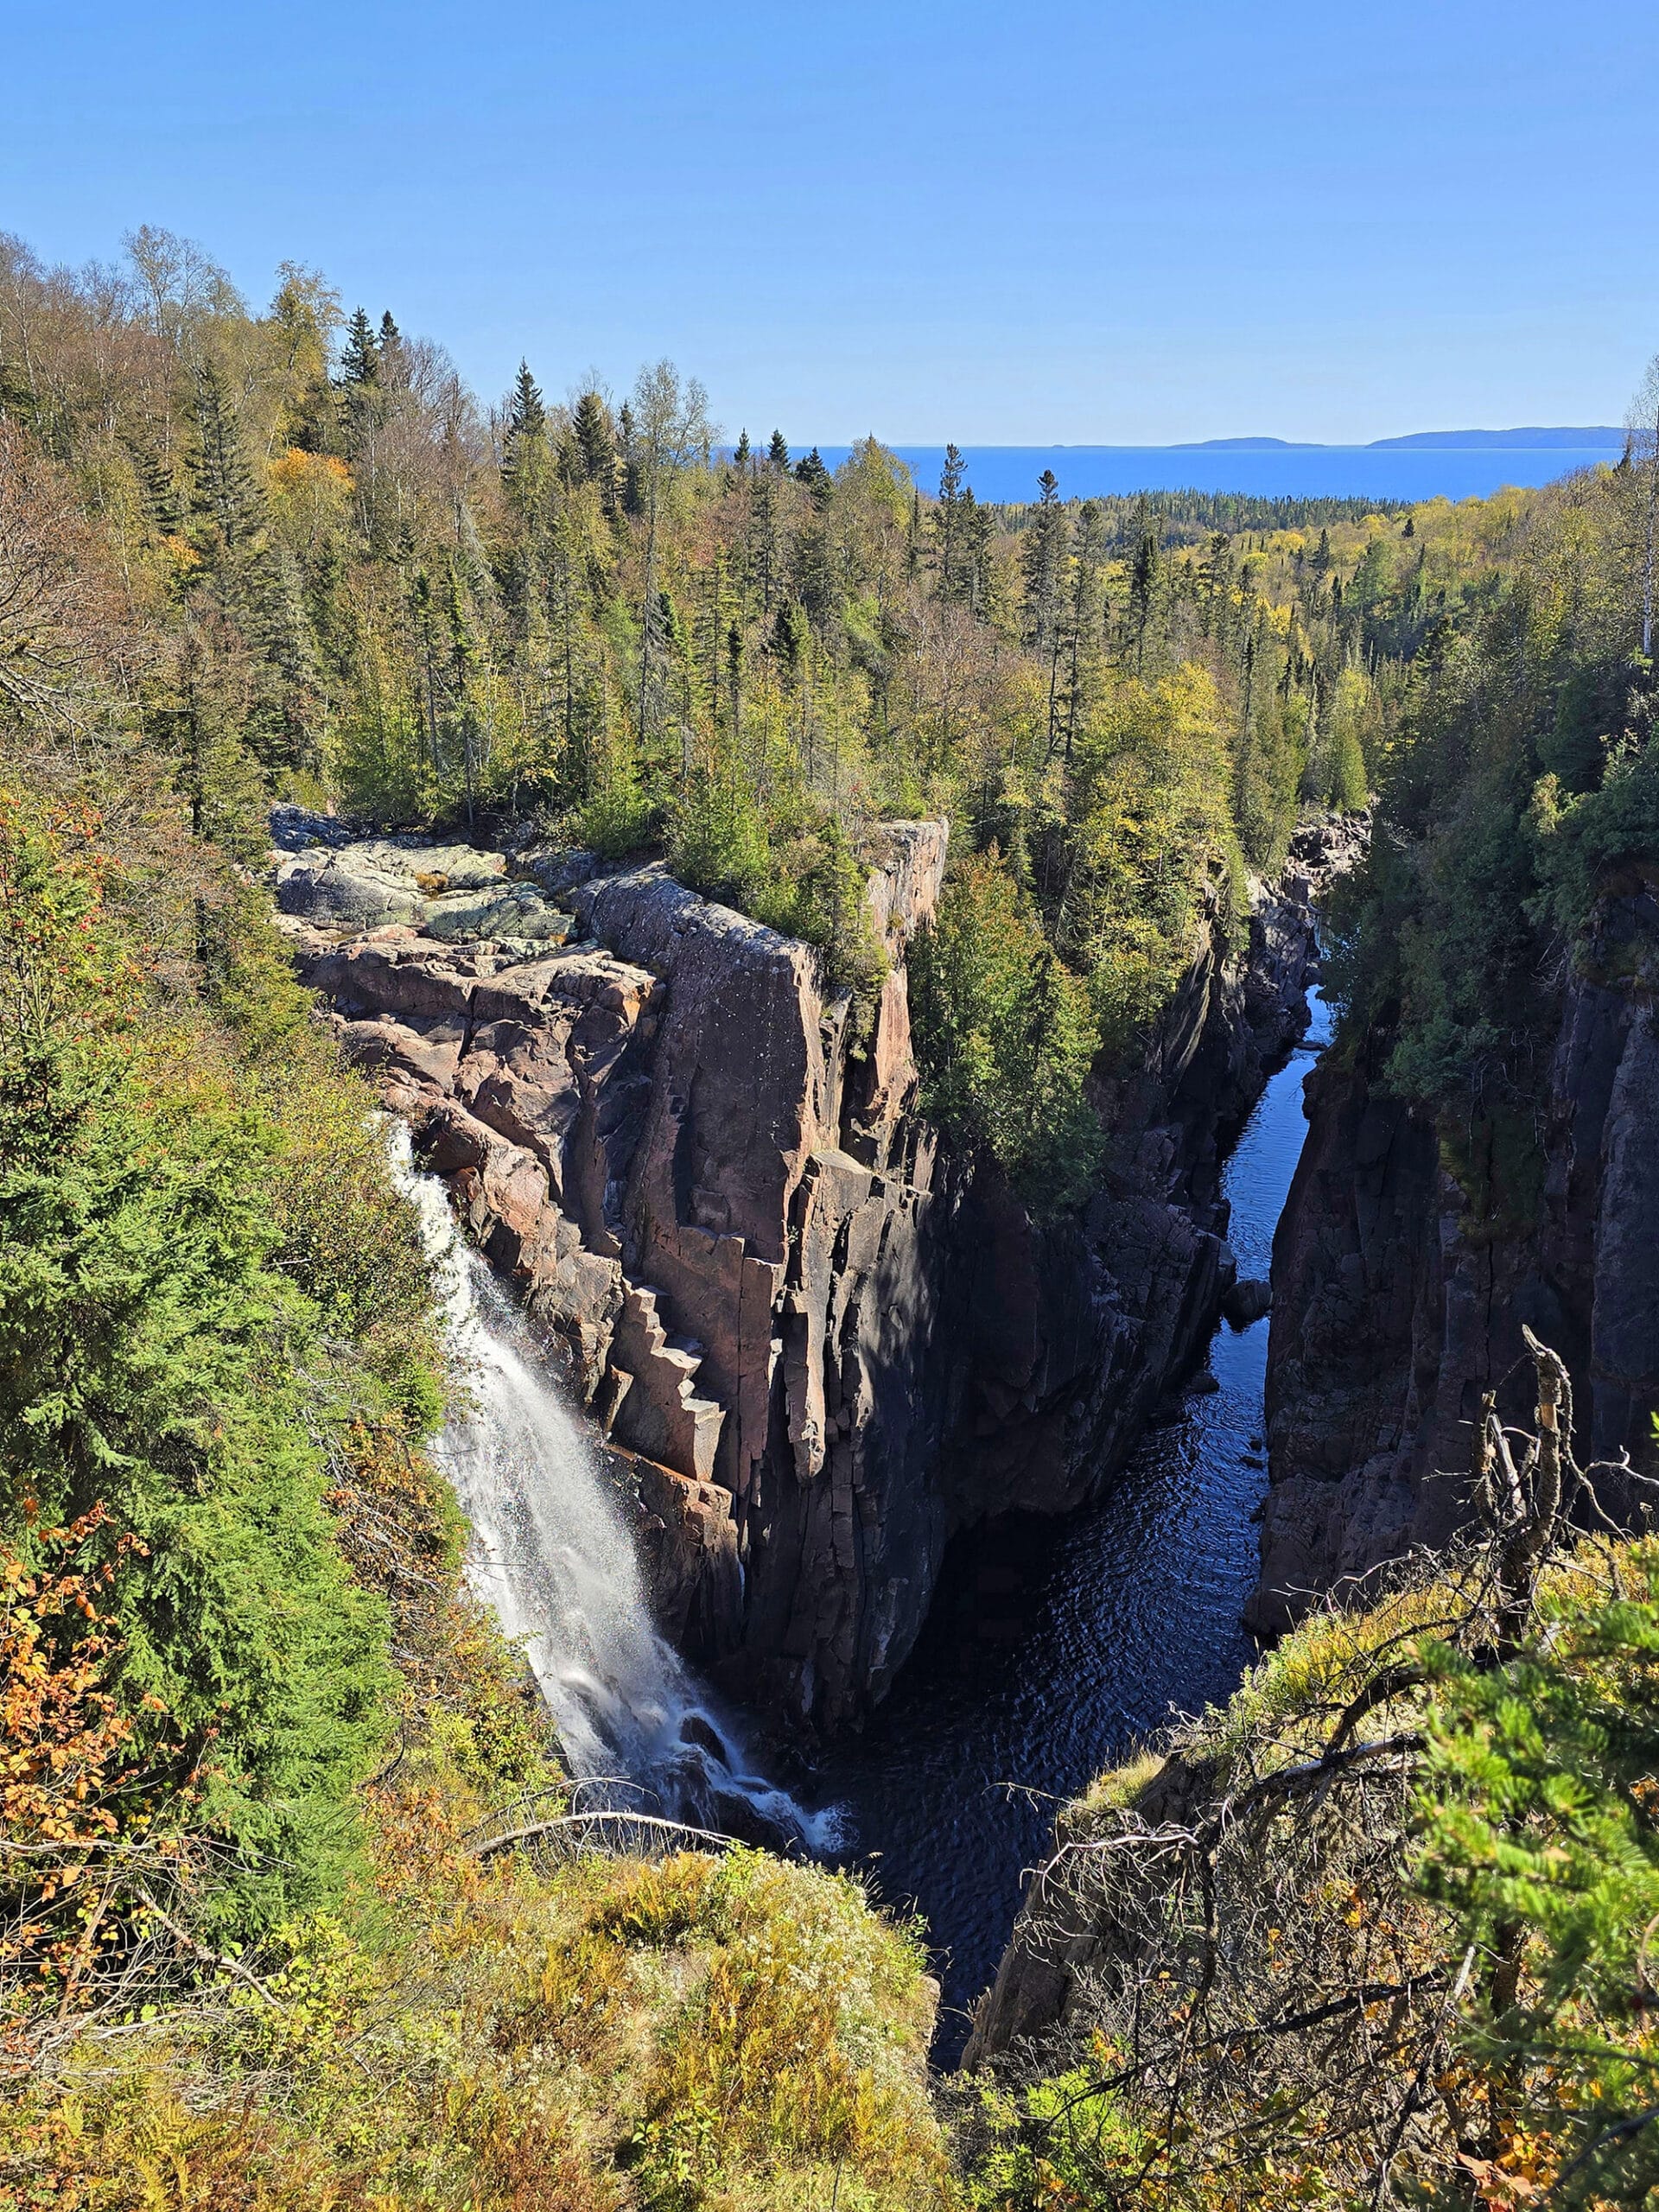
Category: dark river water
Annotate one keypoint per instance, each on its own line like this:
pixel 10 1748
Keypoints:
pixel 1052 1646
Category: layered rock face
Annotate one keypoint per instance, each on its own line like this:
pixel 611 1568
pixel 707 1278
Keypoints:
pixel 816 1350
pixel 1403 1273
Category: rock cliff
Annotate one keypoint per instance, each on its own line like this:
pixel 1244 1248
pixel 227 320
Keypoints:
pixel 1407 1259
pixel 817 1349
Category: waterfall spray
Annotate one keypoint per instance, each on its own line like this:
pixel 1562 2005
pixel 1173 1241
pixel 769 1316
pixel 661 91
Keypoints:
pixel 552 1557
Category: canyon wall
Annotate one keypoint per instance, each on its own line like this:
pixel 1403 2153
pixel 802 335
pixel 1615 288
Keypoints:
pixel 817 1348
pixel 1410 1255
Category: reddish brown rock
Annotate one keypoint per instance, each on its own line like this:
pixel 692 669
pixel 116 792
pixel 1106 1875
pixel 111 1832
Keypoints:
pixel 820 1349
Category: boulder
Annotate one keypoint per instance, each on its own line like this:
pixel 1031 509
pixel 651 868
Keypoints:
pixel 1246 1301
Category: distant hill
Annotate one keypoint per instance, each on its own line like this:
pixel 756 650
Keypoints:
pixel 1599 437
pixel 1596 435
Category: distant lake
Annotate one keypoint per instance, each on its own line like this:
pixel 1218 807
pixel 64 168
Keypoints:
pixel 1010 472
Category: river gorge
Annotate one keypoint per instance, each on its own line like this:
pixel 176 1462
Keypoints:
pixel 1050 1650
pixel 786 1411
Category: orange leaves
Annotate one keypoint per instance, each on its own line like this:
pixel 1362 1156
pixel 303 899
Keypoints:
pixel 297 471
pixel 64 1738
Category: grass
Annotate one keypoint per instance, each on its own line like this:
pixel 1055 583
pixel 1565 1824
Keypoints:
pixel 737 2033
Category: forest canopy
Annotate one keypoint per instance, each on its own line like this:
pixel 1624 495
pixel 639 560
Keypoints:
pixel 329 572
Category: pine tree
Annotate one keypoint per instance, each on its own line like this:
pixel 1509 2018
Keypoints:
pixel 741 454
pixel 778 453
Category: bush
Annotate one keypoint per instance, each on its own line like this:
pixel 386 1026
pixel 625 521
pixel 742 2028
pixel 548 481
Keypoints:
pixel 169 1351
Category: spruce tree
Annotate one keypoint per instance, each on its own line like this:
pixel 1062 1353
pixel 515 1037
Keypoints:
pixel 358 384
pixel 392 355
pixel 359 360
pixel 1041 557
pixel 1143 589
pixel 978 529
pixel 778 453
pixel 947 520
pixel 596 440
pixel 524 458
pixel 225 497
pixel 525 413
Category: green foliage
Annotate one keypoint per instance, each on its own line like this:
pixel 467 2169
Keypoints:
pixel 1537 1815
pixel 1516 789
pixel 1149 850
pixel 717 839
pixel 170 1333
pixel 1422 1837
pixel 1004 1035
pixel 1585 842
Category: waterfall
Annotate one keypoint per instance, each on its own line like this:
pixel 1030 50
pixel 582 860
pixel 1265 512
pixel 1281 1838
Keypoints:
pixel 551 1556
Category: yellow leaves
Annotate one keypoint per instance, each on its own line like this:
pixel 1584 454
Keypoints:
pixel 1495 2186
pixel 318 473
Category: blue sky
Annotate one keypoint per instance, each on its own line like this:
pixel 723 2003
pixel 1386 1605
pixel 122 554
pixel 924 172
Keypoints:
pixel 1023 224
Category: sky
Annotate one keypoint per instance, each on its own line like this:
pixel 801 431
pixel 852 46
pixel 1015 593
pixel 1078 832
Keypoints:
pixel 1050 223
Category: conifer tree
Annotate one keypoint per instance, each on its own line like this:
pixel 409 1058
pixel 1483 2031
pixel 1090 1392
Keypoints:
pixel 358 384
pixel 811 472
pixel 393 359
pixel 778 453
pixel 1041 557
pixel 947 526
pixel 226 498
pixel 359 360
pixel 1086 548
pixel 978 529
pixel 524 458
pixel 525 413
pixel 1143 590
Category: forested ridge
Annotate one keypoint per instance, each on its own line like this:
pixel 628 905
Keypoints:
pixel 252 1954
pixel 354 583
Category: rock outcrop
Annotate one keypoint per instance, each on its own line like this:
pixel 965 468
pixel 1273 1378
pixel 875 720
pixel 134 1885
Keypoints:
pixel 1405 1267
pixel 819 1350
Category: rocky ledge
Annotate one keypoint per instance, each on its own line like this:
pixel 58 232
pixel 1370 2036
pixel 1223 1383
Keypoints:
pixel 818 1349
pixel 1404 1270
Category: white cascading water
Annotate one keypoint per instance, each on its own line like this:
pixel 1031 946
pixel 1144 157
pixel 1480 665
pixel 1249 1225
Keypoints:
pixel 551 1556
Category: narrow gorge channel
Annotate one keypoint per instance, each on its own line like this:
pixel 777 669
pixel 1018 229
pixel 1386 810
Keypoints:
pixel 779 1414
pixel 1049 1649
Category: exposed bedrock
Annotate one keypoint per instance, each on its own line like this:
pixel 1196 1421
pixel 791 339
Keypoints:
pixel 818 1349
pixel 1404 1270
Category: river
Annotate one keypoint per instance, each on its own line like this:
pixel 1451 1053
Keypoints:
pixel 1051 1647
